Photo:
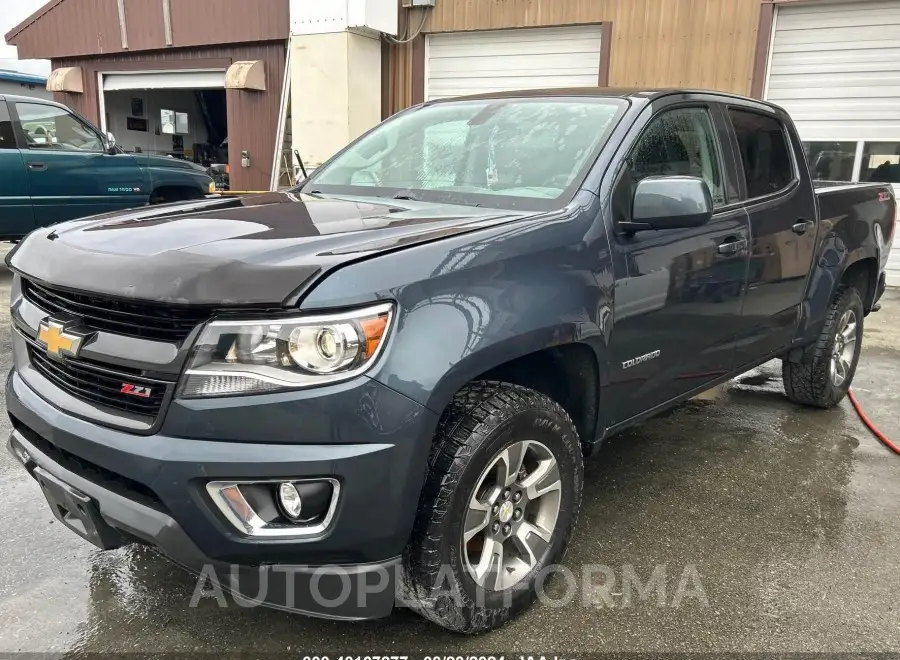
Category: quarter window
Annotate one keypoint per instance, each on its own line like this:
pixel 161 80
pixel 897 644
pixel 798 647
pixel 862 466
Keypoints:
pixel 830 161
pixel 763 146
pixel 680 142
pixel 880 162
pixel 52 128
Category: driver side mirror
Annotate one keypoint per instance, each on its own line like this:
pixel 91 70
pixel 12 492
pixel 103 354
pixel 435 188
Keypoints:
pixel 669 202
pixel 109 143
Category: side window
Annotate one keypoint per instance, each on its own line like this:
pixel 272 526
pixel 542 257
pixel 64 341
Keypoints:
pixel 764 150
pixel 52 128
pixel 7 137
pixel 830 161
pixel 680 142
pixel 880 162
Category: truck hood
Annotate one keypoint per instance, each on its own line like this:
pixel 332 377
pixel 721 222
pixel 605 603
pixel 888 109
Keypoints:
pixel 261 250
pixel 149 160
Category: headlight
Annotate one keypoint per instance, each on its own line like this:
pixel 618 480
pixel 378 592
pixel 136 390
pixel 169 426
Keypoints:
pixel 245 357
pixel 212 187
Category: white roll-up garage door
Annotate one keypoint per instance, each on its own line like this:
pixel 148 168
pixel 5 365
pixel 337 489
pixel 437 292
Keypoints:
pixel 835 67
pixel 460 63
pixel 165 80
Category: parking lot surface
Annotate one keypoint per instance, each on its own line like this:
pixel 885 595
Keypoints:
pixel 766 527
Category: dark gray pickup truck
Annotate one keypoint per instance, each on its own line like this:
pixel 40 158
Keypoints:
pixel 379 388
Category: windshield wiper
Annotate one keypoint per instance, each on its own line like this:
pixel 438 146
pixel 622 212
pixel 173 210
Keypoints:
pixel 405 196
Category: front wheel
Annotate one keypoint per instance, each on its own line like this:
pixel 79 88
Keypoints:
pixel 497 509
pixel 826 369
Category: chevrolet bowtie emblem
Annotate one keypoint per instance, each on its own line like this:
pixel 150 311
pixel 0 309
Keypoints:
pixel 59 340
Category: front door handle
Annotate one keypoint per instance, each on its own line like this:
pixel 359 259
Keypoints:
pixel 37 166
pixel 733 246
pixel 802 226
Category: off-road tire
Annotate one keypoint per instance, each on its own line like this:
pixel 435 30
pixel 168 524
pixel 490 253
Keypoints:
pixel 808 381
pixel 483 418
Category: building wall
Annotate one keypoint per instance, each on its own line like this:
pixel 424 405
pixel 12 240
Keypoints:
pixel 336 91
pixel 24 89
pixel 89 27
pixel 118 109
pixel 252 116
pixel 707 44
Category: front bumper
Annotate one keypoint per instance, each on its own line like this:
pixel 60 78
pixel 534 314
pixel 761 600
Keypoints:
pixel 151 489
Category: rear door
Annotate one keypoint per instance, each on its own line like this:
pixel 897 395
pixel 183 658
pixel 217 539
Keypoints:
pixel 678 291
pixel 16 217
pixel 780 202
pixel 69 172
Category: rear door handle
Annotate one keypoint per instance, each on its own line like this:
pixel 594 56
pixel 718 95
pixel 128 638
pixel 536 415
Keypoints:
pixel 802 226
pixel 37 166
pixel 733 246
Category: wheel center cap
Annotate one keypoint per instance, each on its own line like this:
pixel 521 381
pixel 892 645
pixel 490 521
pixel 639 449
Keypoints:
pixel 506 512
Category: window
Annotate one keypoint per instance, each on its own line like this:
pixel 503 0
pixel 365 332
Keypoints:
pixel 49 127
pixel 680 142
pixel 880 162
pixel 499 152
pixel 7 137
pixel 830 161
pixel 763 146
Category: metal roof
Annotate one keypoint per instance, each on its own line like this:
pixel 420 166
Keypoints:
pixel 16 76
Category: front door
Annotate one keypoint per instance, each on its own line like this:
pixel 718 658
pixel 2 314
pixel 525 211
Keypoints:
pixel 69 171
pixel 679 291
pixel 16 218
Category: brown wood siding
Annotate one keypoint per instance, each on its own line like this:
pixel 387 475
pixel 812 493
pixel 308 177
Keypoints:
pixel 202 22
pixel 706 44
pixel 75 28
pixel 252 116
pixel 144 23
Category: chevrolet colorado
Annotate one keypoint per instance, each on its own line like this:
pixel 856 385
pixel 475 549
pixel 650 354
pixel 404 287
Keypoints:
pixel 379 387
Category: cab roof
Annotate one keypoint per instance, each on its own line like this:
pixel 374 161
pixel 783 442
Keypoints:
pixel 29 99
pixel 644 94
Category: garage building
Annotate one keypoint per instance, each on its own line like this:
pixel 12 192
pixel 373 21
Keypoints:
pixel 170 77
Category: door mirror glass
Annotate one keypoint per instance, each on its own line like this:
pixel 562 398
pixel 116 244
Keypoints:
pixel 671 202
pixel 109 143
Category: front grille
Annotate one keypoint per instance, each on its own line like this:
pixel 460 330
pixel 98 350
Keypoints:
pixel 98 384
pixel 171 323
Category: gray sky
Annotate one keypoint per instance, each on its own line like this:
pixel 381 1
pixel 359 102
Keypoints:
pixel 11 14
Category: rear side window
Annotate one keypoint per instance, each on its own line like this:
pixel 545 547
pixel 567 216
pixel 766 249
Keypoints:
pixel 764 150
pixel 7 137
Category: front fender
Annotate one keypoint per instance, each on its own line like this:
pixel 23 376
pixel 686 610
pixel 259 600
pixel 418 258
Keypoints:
pixel 469 303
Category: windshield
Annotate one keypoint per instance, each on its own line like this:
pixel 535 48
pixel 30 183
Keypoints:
pixel 504 153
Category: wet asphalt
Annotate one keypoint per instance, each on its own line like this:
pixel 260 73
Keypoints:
pixel 771 527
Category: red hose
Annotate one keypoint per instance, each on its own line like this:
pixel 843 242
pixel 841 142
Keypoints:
pixel 874 429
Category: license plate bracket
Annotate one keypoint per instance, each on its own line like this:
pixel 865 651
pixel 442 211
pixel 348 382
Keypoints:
pixel 77 511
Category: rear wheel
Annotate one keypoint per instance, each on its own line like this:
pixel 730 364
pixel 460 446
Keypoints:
pixel 826 369
pixel 498 507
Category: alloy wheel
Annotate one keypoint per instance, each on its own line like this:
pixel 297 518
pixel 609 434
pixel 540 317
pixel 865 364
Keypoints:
pixel 844 348
pixel 511 515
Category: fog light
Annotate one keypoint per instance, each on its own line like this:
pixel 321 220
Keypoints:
pixel 272 508
pixel 289 500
